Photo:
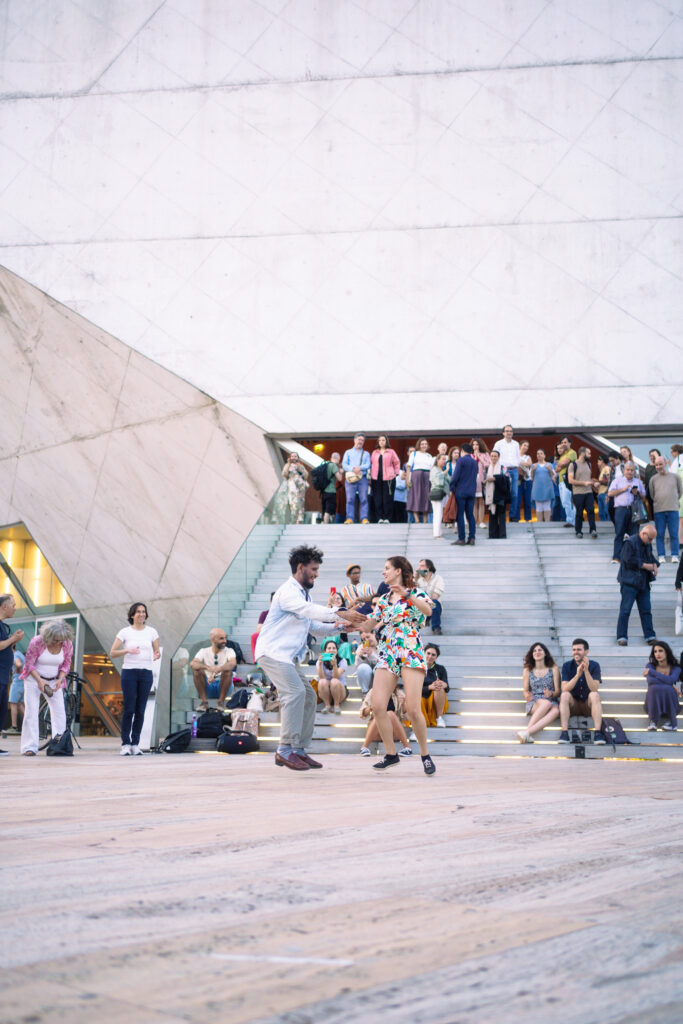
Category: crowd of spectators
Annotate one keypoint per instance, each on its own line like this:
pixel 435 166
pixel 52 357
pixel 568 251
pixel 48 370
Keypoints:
pixel 462 488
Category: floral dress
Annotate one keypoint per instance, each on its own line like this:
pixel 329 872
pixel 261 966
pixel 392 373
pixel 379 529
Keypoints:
pixel 399 641
pixel 290 498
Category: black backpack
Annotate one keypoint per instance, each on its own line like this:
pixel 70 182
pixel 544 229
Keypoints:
pixel 319 476
pixel 177 742
pixel 237 743
pixel 239 654
pixel 240 698
pixel 613 731
pixel 61 746
pixel 210 724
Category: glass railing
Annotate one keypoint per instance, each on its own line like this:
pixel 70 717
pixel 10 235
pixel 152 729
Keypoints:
pixel 224 608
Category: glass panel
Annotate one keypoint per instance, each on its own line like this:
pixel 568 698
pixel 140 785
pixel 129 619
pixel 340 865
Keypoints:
pixel 225 606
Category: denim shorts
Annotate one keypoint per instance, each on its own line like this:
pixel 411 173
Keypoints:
pixel 16 691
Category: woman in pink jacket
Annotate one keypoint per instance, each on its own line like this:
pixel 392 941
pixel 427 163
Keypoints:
pixel 48 660
pixel 384 468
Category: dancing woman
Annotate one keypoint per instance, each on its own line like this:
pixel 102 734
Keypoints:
pixel 398 616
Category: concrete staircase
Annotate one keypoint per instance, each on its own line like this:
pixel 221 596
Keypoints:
pixel 501 596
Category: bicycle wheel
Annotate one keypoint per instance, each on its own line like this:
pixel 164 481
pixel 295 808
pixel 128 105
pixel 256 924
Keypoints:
pixel 44 727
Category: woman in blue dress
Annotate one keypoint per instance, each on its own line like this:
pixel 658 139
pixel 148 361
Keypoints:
pixel 542 487
pixel 663 674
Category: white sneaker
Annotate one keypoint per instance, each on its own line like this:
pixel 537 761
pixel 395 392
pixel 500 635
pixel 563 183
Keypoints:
pixel 365 752
pixel 412 738
pixel 324 710
pixel 652 727
pixel 668 727
pixel 440 724
pixel 523 736
pixel 135 750
pixel 126 750
pixel 674 559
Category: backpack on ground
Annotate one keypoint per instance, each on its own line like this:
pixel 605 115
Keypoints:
pixel 210 724
pixel 177 742
pixel 237 743
pixel 61 745
pixel 319 477
pixel 613 731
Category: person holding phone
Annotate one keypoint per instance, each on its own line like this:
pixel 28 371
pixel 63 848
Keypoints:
pixel 332 689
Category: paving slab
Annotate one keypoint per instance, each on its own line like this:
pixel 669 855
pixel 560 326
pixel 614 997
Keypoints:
pixel 203 887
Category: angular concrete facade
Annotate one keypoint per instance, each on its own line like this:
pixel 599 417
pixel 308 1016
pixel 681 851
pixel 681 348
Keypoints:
pixel 400 214
pixel 134 484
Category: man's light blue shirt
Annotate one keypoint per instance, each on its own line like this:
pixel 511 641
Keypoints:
pixel 353 458
pixel 292 616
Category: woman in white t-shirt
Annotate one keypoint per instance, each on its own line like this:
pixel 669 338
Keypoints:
pixel 138 644
pixel 47 662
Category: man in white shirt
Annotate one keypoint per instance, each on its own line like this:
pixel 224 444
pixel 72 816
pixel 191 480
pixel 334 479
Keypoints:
pixel 508 449
pixel 212 669
pixel 280 647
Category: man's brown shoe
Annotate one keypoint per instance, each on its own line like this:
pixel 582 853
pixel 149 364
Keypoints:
pixel 292 760
pixel 309 761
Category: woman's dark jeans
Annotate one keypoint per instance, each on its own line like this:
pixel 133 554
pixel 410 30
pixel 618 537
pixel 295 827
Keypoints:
pixel 136 684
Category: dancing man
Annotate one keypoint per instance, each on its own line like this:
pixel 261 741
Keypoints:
pixel 398 616
pixel 280 647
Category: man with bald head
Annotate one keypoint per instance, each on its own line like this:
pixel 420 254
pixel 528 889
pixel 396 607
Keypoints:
pixel 637 569
pixel 666 489
pixel 212 669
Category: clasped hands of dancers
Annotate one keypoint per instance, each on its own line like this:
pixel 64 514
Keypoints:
pixel 397 619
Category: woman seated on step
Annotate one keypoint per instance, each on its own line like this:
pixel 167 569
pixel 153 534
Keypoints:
pixel 330 684
pixel 396 709
pixel 663 674
pixel 541 687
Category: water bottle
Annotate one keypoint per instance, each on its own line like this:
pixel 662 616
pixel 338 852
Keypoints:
pixel 194 725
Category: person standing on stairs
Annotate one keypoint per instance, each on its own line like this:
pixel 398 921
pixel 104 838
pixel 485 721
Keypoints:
pixel 399 615
pixel 580 477
pixel 280 648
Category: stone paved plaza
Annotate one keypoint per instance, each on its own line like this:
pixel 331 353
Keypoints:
pixel 206 888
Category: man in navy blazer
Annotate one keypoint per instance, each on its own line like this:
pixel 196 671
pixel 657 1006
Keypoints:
pixel 464 487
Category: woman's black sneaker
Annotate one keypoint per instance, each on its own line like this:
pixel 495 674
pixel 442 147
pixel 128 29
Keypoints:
pixel 388 761
pixel 428 765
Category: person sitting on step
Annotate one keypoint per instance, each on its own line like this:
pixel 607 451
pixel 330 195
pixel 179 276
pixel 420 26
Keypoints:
pixel 366 659
pixel 330 685
pixel 396 711
pixel 663 674
pixel 541 688
pixel 434 586
pixel 355 594
pixel 434 689
pixel 581 678
pixel 212 669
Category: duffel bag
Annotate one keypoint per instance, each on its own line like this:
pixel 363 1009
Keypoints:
pixel 237 743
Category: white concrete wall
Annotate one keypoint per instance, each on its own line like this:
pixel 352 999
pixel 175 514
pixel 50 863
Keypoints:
pixel 395 214
pixel 134 484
